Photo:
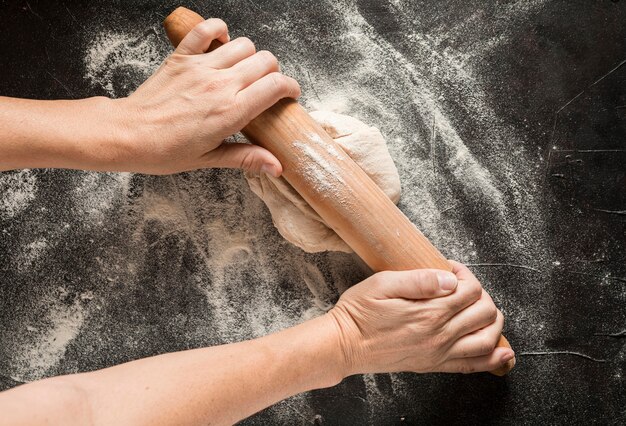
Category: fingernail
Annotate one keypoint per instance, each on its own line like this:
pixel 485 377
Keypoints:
pixel 269 169
pixel 447 280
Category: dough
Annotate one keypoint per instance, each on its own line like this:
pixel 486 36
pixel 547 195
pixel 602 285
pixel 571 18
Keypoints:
pixel 296 221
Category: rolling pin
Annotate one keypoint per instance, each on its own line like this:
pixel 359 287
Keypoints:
pixel 333 184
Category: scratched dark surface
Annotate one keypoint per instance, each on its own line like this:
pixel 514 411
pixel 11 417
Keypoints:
pixel 558 80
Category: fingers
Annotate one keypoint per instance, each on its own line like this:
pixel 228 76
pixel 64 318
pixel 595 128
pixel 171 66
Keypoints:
pixel 264 93
pixel 244 156
pixel 201 36
pixel 476 316
pixel 416 284
pixel 461 271
pixel 255 67
pixel 467 293
pixel 480 343
pixel 488 362
pixel 231 53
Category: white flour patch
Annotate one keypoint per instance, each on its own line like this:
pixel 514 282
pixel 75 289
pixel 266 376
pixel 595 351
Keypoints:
pixel 17 190
pixel 31 253
pixel 341 156
pixel 117 61
pixel 96 193
pixel 239 249
pixel 40 347
pixel 377 400
pixel 423 180
pixel 294 410
pixel 320 171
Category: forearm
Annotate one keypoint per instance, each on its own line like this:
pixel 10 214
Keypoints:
pixel 91 134
pixel 218 385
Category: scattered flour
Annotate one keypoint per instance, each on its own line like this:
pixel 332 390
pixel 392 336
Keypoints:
pixel 438 89
pixel 40 347
pixel 94 194
pixel 320 170
pixel 117 61
pixel 31 253
pixel 17 190
pixel 294 218
pixel 423 91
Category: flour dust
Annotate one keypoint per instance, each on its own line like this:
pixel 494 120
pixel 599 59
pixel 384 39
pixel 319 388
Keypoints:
pixel 17 190
pixel 424 87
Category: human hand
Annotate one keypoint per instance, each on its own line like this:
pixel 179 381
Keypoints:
pixel 420 321
pixel 180 116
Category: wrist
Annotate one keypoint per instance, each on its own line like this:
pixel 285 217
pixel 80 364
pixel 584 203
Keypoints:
pixel 92 134
pixel 308 355
pixel 117 141
pixel 348 336
pixel 336 365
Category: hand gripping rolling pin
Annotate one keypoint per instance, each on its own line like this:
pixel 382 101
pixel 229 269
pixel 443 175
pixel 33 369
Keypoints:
pixel 333 184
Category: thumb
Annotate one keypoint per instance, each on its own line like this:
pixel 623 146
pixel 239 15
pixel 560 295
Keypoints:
pixel 244 156
pixel 419 284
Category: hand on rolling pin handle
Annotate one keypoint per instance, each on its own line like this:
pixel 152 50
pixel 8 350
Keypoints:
pixel 175 121
pixel 393 321
pixel 182 114
pixel 420 321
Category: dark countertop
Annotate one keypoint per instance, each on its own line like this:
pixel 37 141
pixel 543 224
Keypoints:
pixel 507 121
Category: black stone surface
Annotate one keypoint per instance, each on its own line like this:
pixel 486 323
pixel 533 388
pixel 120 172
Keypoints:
pixel 139 286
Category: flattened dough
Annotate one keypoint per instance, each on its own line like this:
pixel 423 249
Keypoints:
pixel 296 221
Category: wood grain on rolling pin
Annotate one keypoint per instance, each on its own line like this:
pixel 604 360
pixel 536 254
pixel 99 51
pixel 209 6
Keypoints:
pixel 333 184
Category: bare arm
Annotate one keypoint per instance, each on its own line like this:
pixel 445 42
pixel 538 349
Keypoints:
pixel 216 385
pixel 394 321
pixel 88 134
pixel 175 121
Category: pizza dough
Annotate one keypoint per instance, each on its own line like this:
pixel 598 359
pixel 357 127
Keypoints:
pixel 296 221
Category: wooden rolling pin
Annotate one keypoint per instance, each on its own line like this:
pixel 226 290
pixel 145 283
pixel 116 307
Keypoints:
pixel 333 184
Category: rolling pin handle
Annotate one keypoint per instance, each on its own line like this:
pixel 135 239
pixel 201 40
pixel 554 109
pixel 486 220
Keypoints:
pixel 286 121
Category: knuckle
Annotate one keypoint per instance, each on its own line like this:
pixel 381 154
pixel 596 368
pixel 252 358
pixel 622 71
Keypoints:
pixel 224 77
pixel 210 28
pixel 468 326
pixel 279 82
pixel 247 161
pixel 486 346
pixel 294 88
pixel 445 338
pixel 380 279
pixel 492 313
pixel 203 30
pixel 438 342
pixel 241 114
pixel 216 80
pixel 427 280
pixel 269 58
pixel 474 290
pixel 246 44
pixel 439 318
pixel 216 24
